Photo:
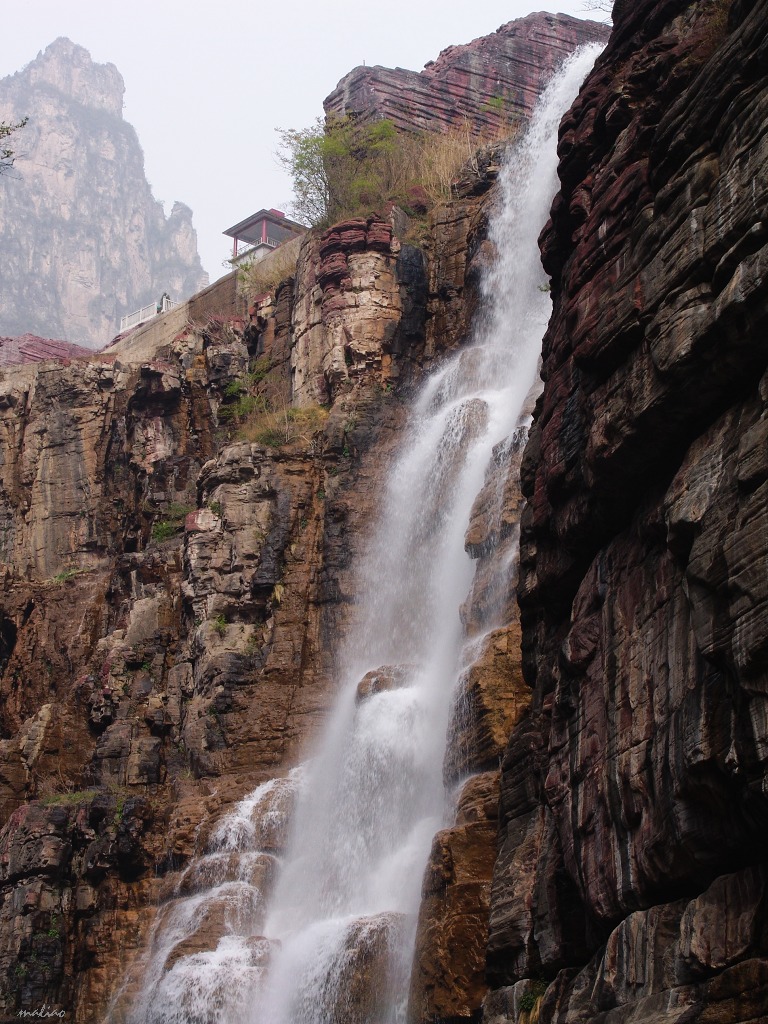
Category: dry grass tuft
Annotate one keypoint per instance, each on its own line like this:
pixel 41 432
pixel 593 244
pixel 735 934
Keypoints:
pixel 289 425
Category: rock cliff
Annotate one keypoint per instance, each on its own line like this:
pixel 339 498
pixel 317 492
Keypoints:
pixel 631 878
pixel 82 240
pixel 176 570
pixel 174 578
pixel 492 81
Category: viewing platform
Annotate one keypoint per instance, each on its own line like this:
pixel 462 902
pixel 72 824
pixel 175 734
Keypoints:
pixel 259 234
pixel 163 305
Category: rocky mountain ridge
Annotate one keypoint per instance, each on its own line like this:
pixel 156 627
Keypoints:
pixel 82 240
pixel 491 82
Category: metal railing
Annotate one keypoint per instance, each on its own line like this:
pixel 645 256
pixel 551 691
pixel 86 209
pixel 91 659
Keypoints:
pixel 243 248
pixel 146 313
pixel 244 252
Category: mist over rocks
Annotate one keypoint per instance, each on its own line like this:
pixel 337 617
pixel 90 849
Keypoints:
pixel 82 240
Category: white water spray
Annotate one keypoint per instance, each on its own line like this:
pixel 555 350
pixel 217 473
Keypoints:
pixel 341 923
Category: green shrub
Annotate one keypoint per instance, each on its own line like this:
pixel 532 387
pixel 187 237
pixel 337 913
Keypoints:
pixel 259 370
pixel 529 1000
pixel 66 574
pixel 220 625
pixel 173 521
pixel 164 528
pixel 68 799
pixel 344 167
pixel 245 406
pixel 338 166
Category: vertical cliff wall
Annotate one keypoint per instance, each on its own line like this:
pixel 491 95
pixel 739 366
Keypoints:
pixel 173 588
pixel 631 880
pixel 82 240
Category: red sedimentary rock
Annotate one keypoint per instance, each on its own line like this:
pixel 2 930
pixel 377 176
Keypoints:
pixel 634 797
pixel 490 81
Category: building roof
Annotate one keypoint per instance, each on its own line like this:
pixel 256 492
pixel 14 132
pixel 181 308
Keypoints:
pixel 244 228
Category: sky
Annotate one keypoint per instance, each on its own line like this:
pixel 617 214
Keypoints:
pixel 207 84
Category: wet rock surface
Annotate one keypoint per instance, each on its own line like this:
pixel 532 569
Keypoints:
pixel 448 980
pixel 633 795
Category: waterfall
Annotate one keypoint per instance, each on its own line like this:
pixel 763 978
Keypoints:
pixel 333 942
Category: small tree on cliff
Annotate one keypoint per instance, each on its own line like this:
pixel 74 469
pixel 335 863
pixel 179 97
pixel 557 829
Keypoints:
pixel 344 168
pixel 301 153
pixel 606 6
pixel 338 167
pixel 7 154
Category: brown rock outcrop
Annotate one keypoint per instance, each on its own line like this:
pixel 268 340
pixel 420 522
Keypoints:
pixel 171 593
pixel 361 309
pixel 639 779
pixel 448 980
pixel 491 82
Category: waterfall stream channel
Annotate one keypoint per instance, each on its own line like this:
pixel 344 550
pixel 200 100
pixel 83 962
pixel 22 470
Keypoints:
pixel 324 932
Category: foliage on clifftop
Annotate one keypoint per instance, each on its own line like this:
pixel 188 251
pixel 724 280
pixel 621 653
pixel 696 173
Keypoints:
pixel 342 168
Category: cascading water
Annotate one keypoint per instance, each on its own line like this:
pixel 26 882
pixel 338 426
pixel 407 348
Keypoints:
pixel 336 942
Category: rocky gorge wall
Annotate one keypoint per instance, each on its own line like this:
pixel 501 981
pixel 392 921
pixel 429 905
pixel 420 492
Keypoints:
pixel 631 878
pixel 173 587
pixel 173 584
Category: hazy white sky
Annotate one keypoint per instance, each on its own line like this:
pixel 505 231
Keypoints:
pixel 207 84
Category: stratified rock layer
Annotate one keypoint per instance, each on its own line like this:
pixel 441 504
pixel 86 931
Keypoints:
pixel 82 241
pixel 31 349
pixel 490 82
pixel 632 865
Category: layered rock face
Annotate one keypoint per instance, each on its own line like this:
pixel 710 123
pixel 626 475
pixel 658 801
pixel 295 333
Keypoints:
pixel 82 240
pixel 491 82
pixel 173 588
pixel 31 349
pixel 632 868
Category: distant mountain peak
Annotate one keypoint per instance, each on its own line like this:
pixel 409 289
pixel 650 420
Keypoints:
pixel 82 239
pixel 69 67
